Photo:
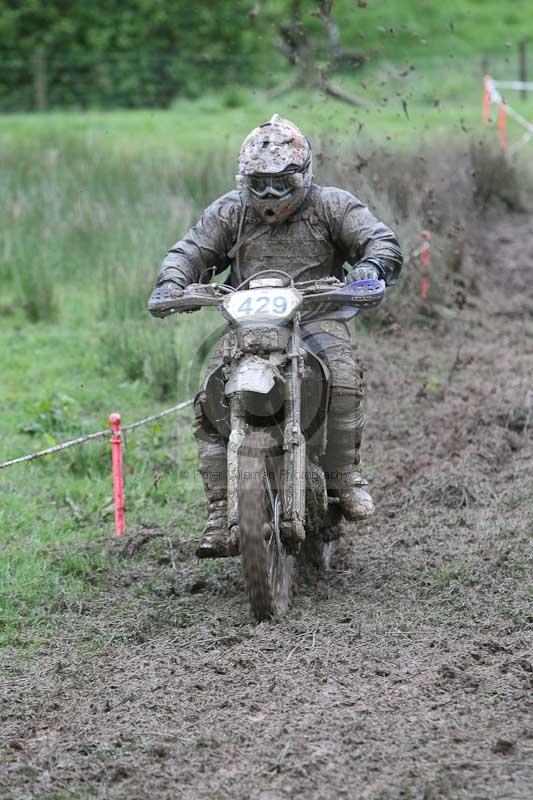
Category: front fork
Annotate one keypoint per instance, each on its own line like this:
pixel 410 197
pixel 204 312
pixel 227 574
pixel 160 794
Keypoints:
pixel 294 459
pixel 293 517
pixel 236 439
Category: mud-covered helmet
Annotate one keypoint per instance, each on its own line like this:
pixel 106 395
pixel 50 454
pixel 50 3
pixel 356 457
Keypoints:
pixel 275 166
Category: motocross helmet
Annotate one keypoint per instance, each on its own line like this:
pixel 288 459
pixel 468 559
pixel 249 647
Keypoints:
pixel 275 167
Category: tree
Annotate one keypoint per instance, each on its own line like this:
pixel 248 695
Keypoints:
pixel 302 49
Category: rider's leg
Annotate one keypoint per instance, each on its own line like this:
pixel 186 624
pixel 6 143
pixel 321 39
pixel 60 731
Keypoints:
pixel 212 463
pixel 331 341
pixel 341 461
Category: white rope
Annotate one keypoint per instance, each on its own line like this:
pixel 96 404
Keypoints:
pixel 519 86
pixel 524 139
pixel 495 97
pixel 155 417
pixel 57 448
pixel 519 118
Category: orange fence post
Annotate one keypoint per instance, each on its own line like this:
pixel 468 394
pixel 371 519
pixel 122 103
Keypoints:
pixel 118 484
pixel 486 99
pixel 425 252
pixel 502 127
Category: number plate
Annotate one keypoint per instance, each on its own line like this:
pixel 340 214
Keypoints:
pixel 262 305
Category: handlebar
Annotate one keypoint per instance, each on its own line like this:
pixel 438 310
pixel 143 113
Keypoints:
pixel 358 294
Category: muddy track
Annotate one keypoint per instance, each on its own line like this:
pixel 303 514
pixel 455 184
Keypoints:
pixel 406 672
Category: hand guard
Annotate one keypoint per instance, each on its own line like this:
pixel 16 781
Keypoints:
pixel 160 301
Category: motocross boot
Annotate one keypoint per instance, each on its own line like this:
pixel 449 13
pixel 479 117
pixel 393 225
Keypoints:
pixel 345 420
pixel 216 541
pixel 355 500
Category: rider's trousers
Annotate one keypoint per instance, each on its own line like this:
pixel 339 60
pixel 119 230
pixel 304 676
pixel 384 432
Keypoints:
pixel 330 340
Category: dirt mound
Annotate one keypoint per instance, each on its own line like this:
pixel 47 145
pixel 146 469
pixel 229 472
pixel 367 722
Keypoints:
pixel 405 672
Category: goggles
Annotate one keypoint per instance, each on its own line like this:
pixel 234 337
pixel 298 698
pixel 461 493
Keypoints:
pixel 277 186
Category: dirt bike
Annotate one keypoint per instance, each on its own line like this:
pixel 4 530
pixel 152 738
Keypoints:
pixel 274 397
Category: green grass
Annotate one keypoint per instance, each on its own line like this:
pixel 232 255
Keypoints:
pixel 91 227
pixel 56 514
pixel 410 28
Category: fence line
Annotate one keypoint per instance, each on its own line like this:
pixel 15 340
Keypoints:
pixel 57 448
pixel 45 79
pixel 519 86
pixel 491 96
pixel 59 78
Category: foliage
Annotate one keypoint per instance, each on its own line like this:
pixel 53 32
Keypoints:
pixel 142 53
pixel 148 52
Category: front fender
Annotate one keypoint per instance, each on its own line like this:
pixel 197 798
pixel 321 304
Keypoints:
pixel 252 374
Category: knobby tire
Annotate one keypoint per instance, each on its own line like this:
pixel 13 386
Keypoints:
pixel 267 567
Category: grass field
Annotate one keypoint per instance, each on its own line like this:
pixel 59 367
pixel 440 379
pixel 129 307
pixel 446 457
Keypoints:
pixel 56 518
pixel 411 28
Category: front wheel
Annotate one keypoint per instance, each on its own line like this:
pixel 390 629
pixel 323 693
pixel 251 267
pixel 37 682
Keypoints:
pixel 268 568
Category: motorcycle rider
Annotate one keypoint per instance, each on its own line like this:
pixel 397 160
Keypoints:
pixel 279 219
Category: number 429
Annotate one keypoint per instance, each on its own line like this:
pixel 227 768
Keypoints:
pixel 263 305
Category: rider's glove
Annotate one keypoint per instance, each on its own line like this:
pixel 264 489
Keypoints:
pixel 158 300
pixel 365 272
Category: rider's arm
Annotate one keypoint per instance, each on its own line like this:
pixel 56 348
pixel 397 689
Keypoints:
pixel 205 245
pixel 365 241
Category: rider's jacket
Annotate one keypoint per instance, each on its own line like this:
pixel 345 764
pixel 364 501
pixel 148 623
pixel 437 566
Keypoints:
pixel 331 227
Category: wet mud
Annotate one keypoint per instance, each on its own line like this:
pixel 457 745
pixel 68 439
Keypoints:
pixel 406 672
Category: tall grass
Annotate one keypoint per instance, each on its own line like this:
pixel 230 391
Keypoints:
pixel 80 213
pixel 94 225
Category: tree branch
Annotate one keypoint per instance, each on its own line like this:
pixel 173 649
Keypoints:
pixel 339 94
